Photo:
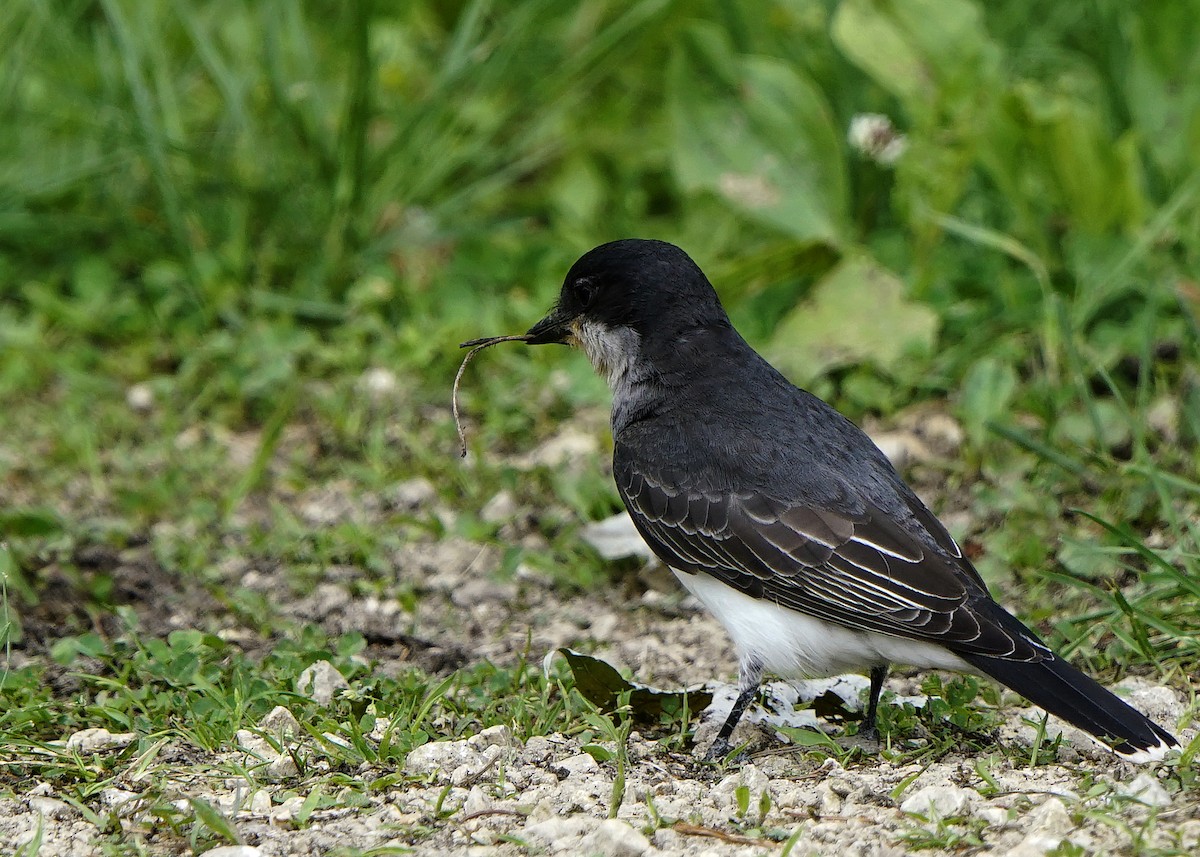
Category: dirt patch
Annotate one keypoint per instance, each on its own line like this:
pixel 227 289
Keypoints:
pixel 80 594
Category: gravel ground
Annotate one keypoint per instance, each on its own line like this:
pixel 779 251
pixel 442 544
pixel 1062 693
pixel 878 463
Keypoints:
pixel 493 794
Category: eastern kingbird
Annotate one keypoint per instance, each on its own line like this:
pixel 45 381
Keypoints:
pixel 781 516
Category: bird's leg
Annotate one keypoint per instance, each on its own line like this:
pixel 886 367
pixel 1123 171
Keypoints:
pixel 868 728
pixel 749 676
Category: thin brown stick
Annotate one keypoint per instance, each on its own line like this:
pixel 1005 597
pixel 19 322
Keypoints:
pixel 689 829
pixel 476 345
pixel 497 811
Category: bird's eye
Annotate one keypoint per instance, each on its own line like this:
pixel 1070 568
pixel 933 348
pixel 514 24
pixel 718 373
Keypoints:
pixel 585 292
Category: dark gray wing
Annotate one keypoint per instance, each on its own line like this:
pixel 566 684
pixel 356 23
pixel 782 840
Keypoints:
pixel 861 570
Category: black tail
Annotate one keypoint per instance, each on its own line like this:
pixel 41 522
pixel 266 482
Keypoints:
pixel 1061 689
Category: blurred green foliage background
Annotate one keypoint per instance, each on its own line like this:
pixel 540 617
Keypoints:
pixel 224 197
pixel 242 207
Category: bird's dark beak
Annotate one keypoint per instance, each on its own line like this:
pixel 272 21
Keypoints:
pixel 555 328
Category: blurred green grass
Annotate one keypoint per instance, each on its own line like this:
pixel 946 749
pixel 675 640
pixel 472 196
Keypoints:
pixel 244 207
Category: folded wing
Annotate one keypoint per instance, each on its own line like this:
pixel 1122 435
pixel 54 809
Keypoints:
pixel 862 570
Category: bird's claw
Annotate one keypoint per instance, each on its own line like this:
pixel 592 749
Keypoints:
pixel 717 750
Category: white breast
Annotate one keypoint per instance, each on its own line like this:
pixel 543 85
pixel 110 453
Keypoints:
pixel 791 644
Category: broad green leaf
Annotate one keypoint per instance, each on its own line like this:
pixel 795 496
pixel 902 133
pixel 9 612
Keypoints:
pixel 1098 182
pixel 916 48
pixel 987 392
pixel 857 314
pixel 600 684
pixel 1160 87
pixel 29 522
pixel 874 42
pixel 757 133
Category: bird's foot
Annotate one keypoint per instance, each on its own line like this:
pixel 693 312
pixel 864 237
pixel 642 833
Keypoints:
pixel 717 750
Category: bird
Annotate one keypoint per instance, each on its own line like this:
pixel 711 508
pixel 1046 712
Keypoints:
pixel 782 517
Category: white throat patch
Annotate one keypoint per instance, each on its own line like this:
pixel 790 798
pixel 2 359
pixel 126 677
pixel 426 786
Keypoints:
pixel 612 350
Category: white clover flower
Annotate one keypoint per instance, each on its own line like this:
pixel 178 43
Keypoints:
pixel 874 135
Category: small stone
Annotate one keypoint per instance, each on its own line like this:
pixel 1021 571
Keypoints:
pixel 614 838
pixel 560 833
pixel 724 793
pixel 1157 702
pixel 569 445
pixel 1035 845
pixel 378 383
pixel 501 509
pixel 51 807
pixel 280 722
pixel 667 839
pixel 259 803
pixel 413 494
pixel 320 682
pixel 604 626
pixel 440 759
pixel 481 590
pixel 901 448
pixel 493 736
pixel 250 742
pixel 1145 789
pixel 98 738
pixel 1189 836
pixel 235 851
pixel 942 434
pixel 282 767
pixel 118 798
pixel 829 801
pixel 616 538
pixel 538 748
pixel 278 764
pixel 1052 817
pixel 475 802
pixel 140 398
pixel 1048 826
pixel 940 801
pixel 287 810
pixel 995 816
pixel 579 765
pixel 1163 417
pixel 471 771
pixel 483 837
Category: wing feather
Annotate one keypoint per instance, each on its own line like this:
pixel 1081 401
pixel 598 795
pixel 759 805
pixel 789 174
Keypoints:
pixel 859 567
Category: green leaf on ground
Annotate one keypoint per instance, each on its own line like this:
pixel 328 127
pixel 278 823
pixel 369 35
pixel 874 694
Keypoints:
pixel 600 684
pixel 857 313
pixel 29 522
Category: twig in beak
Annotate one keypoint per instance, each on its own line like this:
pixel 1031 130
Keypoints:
pixel 476 345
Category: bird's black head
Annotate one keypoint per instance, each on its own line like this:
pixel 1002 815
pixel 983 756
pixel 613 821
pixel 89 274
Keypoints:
pixel 628 294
